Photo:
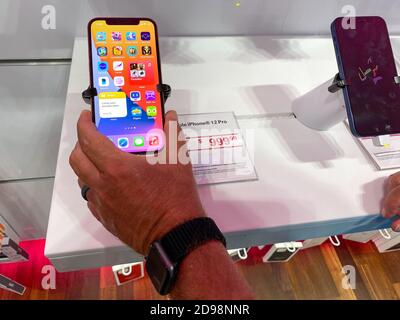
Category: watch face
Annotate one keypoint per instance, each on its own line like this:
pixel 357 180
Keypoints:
pixel 160 269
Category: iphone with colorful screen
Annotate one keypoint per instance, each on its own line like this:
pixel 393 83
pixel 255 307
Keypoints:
pixel 365 60
pixel 125 70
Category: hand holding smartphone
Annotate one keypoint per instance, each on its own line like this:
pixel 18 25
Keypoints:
pixel 365 60
pixel 125 70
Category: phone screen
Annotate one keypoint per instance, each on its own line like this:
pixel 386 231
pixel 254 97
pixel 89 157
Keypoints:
pixel 125 70
pixel 366 62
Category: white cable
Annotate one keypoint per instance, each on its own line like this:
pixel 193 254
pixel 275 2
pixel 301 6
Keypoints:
pixel 126 271
pixel 335 242
pixel 290 247
pixel 384 233
pixel 239 253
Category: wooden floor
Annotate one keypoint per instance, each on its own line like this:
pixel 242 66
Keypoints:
pixel 315 273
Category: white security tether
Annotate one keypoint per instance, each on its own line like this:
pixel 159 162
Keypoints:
pixel 290 247
pixel 242 253
pixel 334 240
pixel 320 109
pixel 385 234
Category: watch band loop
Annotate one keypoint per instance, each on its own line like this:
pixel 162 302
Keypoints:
pixel 165 255
pixel 191 234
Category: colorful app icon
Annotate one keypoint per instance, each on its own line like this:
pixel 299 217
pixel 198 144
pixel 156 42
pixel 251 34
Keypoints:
pixel 104 81
pixel 154 141
pixel 145 36
pixel 118 65
pixel 102 51
pixel 100 36
pixel 137 70
pixel 142 73
pixel 119 81
pixel 131 36
pixel 132 51
pixel 102 66
pixel 117 50
pixel 138 141
pixel 123 143
pixel 146 50
pixel 136 112
pixel 150 95
pixel 116 36
pixel 135 95
pixel 151 111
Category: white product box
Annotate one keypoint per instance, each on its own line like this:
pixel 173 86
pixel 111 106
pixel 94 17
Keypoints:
pixel 11 285
pixel 282 252
pixel 362 237
pixel 386 245
pixel 313 242
pixel 124 273
pixel 12 252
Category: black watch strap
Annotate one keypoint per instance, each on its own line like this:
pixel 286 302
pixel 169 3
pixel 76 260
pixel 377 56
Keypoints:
pixel 184 238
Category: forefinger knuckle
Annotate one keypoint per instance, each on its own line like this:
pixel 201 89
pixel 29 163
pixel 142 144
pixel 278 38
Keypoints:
pixel 394 180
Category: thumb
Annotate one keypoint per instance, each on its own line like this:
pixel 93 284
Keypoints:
pixel 175 138
pixel 172 129
pixel 170 116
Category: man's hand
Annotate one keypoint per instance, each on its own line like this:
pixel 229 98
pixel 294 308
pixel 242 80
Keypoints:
pixel 136 201
pixel 391 203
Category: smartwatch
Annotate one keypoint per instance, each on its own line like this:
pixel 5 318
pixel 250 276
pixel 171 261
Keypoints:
pixel 166 254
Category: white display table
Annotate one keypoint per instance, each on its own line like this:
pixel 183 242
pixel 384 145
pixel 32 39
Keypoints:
pixel 311 184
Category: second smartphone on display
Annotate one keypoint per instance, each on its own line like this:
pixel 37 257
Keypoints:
pixel 366 62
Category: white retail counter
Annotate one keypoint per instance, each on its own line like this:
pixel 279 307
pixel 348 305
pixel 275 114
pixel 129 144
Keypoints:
pixel 311 184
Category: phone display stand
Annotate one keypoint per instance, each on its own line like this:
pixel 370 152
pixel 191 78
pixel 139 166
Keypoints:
pixel 322 107
pixel 90 92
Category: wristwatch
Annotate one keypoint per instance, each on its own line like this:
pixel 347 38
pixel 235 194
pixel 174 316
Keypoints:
pixel 166 254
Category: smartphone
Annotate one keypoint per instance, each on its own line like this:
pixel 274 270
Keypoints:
pixel 365 60
pixel 125 69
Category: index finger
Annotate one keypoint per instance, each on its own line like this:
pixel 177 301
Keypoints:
pixel 393 181
pixel 97 147
pixel 391 204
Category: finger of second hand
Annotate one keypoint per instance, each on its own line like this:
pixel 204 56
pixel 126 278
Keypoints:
pixel 396 226
pixel 393 181
pixel 391 204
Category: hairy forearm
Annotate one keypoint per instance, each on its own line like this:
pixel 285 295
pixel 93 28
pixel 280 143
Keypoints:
pixel 209 273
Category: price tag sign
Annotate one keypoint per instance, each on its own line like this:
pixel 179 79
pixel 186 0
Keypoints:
pixel 217 148
pixel 386 156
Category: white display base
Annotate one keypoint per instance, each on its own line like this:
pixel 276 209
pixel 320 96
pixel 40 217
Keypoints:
pixel 282 252
pixel 310 184
pixel 320 109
